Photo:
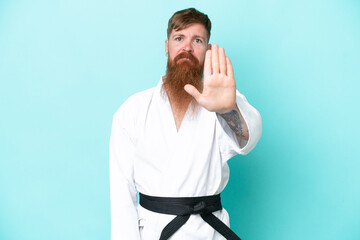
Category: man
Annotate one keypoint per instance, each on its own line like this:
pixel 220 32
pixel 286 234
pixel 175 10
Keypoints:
pixel 171 143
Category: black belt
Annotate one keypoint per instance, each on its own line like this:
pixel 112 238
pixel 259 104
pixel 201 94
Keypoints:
pixel 183 207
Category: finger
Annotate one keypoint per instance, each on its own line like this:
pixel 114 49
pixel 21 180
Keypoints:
pixel 230 71
pixel 222 60
pixel 207 64
pixel 215 58
pixel 190 89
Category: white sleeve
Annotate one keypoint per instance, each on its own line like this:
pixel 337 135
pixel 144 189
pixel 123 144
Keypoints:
pixel 228 142
pixel 123 195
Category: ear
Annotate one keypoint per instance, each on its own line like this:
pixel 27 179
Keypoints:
pixel 209 46
pixel 166 47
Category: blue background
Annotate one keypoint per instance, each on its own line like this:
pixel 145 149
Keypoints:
pixel 66 66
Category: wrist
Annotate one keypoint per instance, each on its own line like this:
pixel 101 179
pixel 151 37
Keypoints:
pixel 228 110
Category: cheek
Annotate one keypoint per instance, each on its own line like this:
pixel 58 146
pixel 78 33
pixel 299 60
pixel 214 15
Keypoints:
pixel 201 55
pixel 174 47
pixel 201 58
pixel 173 52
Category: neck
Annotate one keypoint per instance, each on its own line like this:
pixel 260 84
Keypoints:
pixel 179 108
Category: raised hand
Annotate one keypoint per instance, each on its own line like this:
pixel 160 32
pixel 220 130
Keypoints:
pixel 219 89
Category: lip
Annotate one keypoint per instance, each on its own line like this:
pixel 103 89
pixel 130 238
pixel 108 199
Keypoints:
pixel 184 59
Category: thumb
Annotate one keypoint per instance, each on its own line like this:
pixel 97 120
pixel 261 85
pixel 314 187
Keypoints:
pixel 190 89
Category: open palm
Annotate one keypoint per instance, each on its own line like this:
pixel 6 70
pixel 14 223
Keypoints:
pixel 219 89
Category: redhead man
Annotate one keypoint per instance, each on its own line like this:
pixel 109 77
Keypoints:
pixel 171 143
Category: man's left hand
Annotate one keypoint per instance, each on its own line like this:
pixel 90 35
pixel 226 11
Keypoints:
pixel 219 90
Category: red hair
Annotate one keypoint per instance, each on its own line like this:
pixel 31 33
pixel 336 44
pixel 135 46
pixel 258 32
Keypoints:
pixel 184 18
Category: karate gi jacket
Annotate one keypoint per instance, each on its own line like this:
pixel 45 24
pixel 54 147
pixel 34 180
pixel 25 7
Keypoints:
pixel 149 155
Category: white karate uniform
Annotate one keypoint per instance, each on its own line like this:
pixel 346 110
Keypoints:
pixel 149 155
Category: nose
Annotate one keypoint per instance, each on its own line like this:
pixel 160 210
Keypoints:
pixel 187 46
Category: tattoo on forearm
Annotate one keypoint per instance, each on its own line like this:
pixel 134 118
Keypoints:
pixel 233 119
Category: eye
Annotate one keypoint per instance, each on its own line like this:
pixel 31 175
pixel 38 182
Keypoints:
pixel 178 39
pixel 198 40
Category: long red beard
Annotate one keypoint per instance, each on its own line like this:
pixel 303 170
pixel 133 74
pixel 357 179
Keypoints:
pixel 178 74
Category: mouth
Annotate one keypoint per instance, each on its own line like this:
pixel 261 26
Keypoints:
pixel 184 60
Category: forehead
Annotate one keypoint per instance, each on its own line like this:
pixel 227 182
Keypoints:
pixel 195 29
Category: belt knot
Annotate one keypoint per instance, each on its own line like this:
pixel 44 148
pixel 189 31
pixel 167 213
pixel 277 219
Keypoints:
pixel 199 208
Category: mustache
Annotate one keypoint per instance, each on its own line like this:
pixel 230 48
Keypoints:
pixel 186 55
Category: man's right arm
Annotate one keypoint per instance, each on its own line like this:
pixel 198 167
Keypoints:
pixel 123 195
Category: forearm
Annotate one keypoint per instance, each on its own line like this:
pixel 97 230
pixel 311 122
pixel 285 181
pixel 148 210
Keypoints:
pixel 237 123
